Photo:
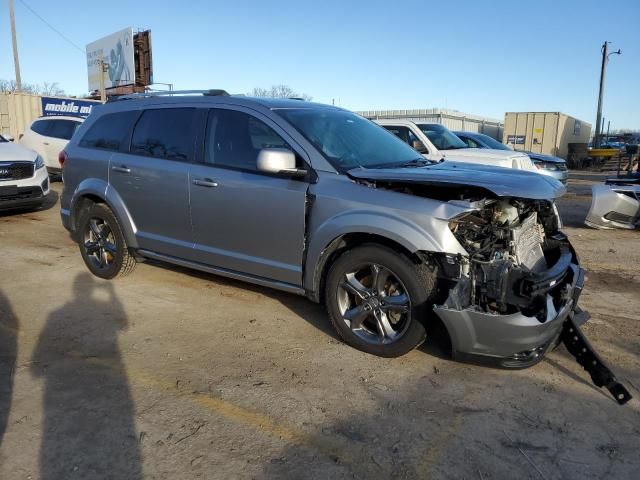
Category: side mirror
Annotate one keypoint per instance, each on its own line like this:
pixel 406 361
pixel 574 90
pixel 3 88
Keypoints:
pixel 279 161
pixel 8 137
pixel 419 146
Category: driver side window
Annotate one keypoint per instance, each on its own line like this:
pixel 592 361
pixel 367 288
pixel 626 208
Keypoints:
pixel 234 139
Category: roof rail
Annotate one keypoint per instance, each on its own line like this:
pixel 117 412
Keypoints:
pixel 206 93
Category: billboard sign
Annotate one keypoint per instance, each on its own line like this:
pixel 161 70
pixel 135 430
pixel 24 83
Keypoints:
pixel 117 52
pixel 53 106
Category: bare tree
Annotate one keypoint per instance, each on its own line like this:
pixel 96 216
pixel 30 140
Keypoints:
pixel 47 89
pixel 278 91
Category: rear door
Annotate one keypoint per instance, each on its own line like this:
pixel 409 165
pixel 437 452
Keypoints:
pixel 245 220
pixel 152 178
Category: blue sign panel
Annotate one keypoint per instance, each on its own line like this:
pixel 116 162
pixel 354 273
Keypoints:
pixel 52 106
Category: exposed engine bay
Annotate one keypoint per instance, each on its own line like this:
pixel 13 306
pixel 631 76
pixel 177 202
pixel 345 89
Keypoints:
pixel 509 242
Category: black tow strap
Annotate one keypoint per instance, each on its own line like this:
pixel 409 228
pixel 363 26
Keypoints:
pixel 585 355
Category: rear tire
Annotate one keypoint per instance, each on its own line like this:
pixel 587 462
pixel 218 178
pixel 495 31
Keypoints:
pixel 378 300
pixel 102 243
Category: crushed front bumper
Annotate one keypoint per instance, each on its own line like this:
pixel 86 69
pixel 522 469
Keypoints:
pixel 519 341
pixel 514 340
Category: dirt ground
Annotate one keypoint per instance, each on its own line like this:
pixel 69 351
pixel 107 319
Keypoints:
pixel 171 374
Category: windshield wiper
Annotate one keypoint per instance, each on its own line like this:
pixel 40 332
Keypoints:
pixel 417 162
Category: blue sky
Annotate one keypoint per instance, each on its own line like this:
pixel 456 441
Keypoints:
pixel 478 57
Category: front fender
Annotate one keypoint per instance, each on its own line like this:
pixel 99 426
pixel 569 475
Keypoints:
pixel 101 189
pixel 410 235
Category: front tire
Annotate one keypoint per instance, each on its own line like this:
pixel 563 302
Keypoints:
pixel 378 300
pixel 102 243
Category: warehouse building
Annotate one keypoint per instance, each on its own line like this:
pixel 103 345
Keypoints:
pixel 452 119
pixel 548 133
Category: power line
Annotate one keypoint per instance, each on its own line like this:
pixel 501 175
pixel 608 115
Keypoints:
pixel 51 26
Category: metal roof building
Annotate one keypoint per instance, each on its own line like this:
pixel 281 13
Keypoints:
pixel 452 119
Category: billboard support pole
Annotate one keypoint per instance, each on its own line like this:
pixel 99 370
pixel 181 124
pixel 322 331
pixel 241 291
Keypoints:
pixel 103 68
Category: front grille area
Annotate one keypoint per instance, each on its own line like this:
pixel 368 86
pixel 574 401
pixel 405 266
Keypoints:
pixel 23 193
pixel 15 170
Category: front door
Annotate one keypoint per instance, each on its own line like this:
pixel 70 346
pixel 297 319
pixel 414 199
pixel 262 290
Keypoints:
pixel 153 179
pixel 244 220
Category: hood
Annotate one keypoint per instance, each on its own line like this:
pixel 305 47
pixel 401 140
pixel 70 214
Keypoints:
pixel 483 153
pixel 541 157
pixel 502 182
pixel 489 156
pixel 10 152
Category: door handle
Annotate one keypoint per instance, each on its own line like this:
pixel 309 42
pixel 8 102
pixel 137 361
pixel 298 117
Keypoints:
pixel 122 169
pixel 205 182
pixel 45 143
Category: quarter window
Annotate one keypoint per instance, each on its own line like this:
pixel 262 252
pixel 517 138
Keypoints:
pixel 110 132
pixel 41 127
pixel 63 129
pixel 165 133
pixel 235 138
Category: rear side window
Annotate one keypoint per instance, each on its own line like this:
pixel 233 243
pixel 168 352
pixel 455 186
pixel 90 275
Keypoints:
pixel 63 129
pixel 166 133
pixel 110 131
pixel 41 127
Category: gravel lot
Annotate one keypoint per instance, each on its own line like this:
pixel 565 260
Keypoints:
pixel 177 375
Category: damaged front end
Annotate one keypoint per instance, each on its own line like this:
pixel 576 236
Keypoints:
pixel 515 296
pixel 511 292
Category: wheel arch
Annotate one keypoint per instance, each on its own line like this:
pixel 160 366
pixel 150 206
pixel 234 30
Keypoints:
pixel 94 191
pixel 316 278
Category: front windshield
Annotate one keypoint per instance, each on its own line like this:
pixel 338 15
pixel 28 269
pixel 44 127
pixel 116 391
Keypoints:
pixel 441 137
pixel 493 143
pixel 349 141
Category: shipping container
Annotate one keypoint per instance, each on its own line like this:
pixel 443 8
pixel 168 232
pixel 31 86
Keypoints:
pixel 548 133
pixel 17 110
pixel 452 119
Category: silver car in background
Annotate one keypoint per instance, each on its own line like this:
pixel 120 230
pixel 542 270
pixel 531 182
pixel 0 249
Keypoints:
pixel 318 201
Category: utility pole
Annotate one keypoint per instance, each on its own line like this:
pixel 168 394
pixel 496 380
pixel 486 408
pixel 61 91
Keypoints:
pixel 603 69
pixel 16 61
pixel 608 126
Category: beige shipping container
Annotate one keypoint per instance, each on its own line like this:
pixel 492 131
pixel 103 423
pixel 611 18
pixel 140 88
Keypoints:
pixel 17 110
pixel 548 133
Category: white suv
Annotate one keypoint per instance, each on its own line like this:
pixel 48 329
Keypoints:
pixel 435 142
pixel 23 177
pixel 48 136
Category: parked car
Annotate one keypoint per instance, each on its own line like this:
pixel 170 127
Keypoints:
pixel 435 142
pixel 615 204
pixel 48 136
pixel 318 201
pixel 23 177
pixel 546 164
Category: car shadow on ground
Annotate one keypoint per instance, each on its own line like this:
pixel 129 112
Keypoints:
pixel 50 201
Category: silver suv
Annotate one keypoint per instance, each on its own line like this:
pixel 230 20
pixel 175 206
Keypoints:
pixel 318 201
